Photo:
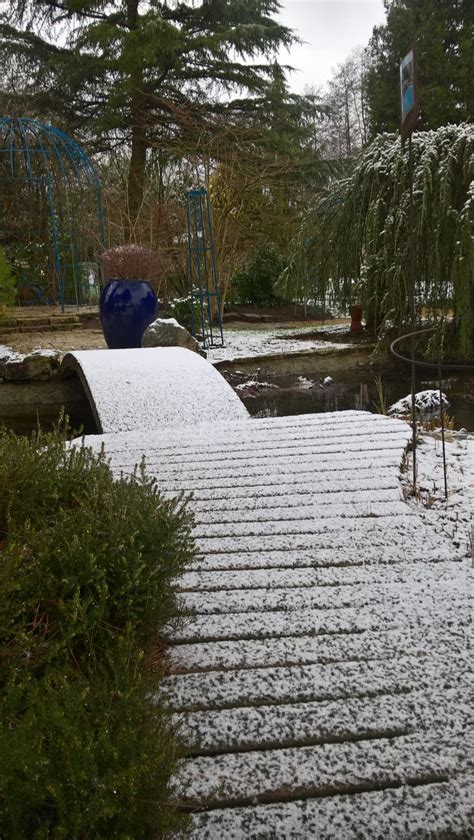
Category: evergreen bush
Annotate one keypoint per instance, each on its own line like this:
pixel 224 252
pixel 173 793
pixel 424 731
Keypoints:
pixel 256 283
pixel 86 571
pixel 182 310
pixel 7 282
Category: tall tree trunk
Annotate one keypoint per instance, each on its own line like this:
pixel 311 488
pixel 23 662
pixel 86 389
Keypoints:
pixel 347 123
pixel 136 172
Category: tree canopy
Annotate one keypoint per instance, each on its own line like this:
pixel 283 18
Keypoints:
pixel 442 30
pixel 341 128
pixel 145 74
pixel 355 239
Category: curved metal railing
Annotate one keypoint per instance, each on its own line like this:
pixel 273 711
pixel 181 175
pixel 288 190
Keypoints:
pixel 439 366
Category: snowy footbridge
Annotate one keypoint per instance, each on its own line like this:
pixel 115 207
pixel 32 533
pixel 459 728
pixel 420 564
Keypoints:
pixel 154 387
pixel 322 681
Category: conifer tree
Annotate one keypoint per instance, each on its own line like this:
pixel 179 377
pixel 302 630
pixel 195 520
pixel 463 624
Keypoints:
pixel 141 73
pixel 442 31
pixel 354 243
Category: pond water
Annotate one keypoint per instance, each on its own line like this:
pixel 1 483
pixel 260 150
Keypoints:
pixel 272 395
pixel 268 395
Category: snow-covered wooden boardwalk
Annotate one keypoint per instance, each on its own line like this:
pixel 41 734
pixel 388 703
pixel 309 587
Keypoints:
pixel 323 681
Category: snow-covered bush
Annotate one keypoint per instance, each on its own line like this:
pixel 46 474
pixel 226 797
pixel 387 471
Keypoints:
pixel 355 239
pixel 426 404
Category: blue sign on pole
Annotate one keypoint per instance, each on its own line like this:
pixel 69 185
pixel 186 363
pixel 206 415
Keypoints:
pixel 408 94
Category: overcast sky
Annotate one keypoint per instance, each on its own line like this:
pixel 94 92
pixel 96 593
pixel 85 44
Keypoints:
pixel 331 29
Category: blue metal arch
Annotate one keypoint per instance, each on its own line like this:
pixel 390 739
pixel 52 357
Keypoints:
pixel 202 270
pixel 45 157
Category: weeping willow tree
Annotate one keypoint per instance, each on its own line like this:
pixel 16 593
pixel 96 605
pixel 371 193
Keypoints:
pixel 354 241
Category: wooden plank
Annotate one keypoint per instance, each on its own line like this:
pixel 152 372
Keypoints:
pixel 297 576
pixel 316 554
pixel 443 811
pixel 390 615
pixel 306 683
pixel 281 775
pixel 305 510
pixel 307 650
pixel 315 597
pixel 322 498
pixel 295 486
pixel 304 724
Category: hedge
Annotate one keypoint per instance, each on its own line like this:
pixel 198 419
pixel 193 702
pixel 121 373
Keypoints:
pixel 86 569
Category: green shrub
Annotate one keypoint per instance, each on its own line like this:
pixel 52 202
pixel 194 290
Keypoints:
pixel 182 310
pixel 255 284
pixel 85 587
pixel 7 282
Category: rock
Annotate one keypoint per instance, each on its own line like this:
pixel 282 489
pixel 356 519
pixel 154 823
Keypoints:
pixel 230 316
pixel 426 404
pixel 38 366
pixel 251 317
pixel 166 332
pixel 256 318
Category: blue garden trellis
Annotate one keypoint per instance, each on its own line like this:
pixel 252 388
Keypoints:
pixel 51 213
pixel 202 270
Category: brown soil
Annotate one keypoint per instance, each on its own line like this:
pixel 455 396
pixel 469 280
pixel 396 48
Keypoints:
pixel 61 340
pixel 90 337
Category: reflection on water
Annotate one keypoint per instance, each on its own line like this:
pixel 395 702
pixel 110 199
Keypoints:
pixel 271 396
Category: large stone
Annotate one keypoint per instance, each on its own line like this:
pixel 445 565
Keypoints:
pixel 38 366
pixel 166 332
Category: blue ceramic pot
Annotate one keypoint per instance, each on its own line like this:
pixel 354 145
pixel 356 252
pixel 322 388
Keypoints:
pixel 127 307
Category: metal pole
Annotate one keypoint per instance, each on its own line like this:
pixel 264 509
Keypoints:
pixel 441 414
pixel 54 236
pixel 205 248
pixel 215 278
pixel 190 262
pixel 412 307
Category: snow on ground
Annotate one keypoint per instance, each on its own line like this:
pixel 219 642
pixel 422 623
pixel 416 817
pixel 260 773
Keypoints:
pixel 10 355
pixel 453 516
pixel 240 344
pixel 336 329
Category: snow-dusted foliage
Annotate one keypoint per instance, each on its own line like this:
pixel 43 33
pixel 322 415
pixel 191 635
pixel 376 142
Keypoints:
pixel 426 404
pixel 355 239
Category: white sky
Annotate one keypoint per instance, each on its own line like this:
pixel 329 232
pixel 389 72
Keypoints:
pixel 331 29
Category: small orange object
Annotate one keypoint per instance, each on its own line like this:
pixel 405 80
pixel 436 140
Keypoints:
pixel 356 319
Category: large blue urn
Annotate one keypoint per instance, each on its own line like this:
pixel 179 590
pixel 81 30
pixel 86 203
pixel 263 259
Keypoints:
pixel 127 307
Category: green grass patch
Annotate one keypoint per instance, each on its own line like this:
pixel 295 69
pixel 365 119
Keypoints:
pixel 86 569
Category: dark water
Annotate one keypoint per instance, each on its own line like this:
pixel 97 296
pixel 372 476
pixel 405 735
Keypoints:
pixel 353 389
